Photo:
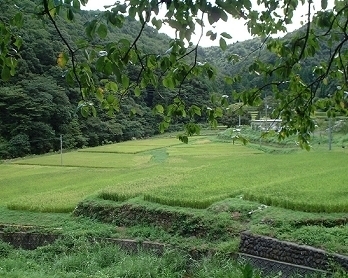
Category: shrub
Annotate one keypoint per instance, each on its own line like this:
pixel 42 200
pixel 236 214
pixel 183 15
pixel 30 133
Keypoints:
pixel 19 145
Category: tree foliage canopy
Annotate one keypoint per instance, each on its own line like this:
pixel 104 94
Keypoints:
pixel 107 70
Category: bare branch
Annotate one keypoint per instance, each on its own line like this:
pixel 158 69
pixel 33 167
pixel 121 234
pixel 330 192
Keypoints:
pixel 195 60
pixel 72 52
pixel 137 38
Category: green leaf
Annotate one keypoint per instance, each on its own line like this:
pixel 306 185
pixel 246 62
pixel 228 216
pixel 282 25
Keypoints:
pixel 183 138
pixel 70 78
pixel 76 4
pixel 90 28
pixel 18 20
pixel 168 82
pixel 210 73
pixel 163 126
pixel 137 91
pixel 62 59
pixel 214 123
pixel 247 270
pixel 110 99
pixel 99 94
pixel 132 12
pixel 85 111
pixel 5 73
pixel 195 110
pixel 133 112
pixel 223 44
pixel 18 43
pixel 214 15
pixel 226 35
pixel 247 4
pixel 70 14
pixel 223 15
pixel 200 22
pixel 192 128
pixel 324 4
pixel 102 31
pixel 213 37
pixel 125 81
pixel 156 23
pixel 112 86
pixel 94 111
pixel 218 112
pixel 228 80
pixel 159 109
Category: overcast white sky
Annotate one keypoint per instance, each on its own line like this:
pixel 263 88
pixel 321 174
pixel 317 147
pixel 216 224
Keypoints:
pixel 235 28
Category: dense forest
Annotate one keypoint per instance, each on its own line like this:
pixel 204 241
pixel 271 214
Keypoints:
pixel 37 106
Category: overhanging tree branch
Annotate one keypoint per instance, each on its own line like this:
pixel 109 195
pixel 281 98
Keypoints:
pixel 72 52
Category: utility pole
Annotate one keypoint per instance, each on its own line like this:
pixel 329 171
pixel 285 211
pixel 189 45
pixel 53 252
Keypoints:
pixel 61 150
pixel 330 133
pixel 239 115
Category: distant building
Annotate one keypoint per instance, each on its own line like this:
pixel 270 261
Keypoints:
pixel 266 124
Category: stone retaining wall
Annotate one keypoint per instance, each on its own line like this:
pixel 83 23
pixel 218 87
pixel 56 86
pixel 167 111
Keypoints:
pixel 30 241
pixel 264 252
pixel 273 249
pixel 27 240
pixel 272 267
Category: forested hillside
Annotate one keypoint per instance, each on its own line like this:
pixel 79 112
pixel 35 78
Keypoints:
pixel 238 57
pixel 37 106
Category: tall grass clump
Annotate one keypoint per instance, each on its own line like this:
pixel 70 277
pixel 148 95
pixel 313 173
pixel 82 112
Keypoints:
pixel 38 208
pixel 114 196
pixel 187 203
pixel 78 257
pixel 297 205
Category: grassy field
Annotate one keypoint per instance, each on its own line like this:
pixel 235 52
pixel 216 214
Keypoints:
pixel 209 183
pixel 166 171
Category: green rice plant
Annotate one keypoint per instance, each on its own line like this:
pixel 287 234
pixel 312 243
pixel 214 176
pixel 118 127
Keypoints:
pixel 191 175
pixel 134 146
pixel 87 159
pixel 210 149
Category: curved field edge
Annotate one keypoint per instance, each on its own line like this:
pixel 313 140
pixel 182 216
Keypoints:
pixel 194 175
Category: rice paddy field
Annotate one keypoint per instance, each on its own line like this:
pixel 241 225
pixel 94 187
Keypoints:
pixel 166 171
pixel 210 184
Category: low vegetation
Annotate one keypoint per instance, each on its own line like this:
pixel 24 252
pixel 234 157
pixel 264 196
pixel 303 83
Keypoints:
pixel 189 175
pixel 196 197
pixel 81 258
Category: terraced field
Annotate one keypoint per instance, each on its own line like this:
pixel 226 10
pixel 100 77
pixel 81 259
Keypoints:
pixel 166 171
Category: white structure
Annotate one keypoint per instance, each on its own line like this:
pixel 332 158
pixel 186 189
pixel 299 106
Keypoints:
pixel 266 124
